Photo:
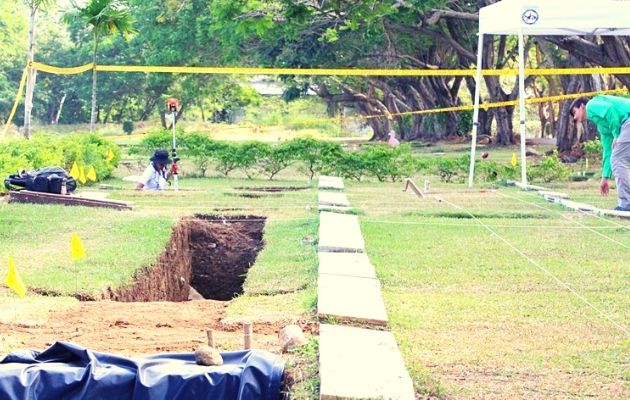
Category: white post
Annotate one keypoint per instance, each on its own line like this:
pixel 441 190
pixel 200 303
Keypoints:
pixel 471 170
pixel 175 177
pixel 521 102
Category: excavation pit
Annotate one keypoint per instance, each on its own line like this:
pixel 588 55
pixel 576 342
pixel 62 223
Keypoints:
pixel 272 188
pixel 207 255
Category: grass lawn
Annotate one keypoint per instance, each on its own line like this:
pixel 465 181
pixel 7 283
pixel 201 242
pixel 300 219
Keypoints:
pixel 485 307
pixel 490 294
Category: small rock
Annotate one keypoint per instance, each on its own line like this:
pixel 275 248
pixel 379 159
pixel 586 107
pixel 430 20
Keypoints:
pixel 193 294
pixel 206 355
pixel 291 336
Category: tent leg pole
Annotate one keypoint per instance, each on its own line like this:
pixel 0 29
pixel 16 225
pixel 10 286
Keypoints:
pixel 521 103
pixel 473 144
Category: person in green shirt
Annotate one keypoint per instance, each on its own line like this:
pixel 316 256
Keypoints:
pixel 611 115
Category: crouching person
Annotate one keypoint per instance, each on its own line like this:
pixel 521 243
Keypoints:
pixel 155 176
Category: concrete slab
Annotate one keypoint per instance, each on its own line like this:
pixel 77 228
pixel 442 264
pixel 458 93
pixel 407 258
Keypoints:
pixel 612 213
pixel 350 298
pixel 347 264
pixel 553 194
pixel 577 206
pixel 525 186
pixel 340 233
pixel 330 182
pixel 333 199
pixel 334 209
pixel 357 363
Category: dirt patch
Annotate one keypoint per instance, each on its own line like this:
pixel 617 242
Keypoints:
pixel 168 279
pixel 223 248
pixel 210 253
pixel 272 188
pixel 143 328
pixel 253 195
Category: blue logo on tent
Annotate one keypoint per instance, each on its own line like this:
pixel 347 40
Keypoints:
pixel 530 17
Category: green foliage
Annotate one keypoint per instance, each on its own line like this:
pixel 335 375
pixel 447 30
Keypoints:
pixel 278 158
pixel 201 150
pixel 383 161
pixel 351 165
pixel 249 154
pixel 449 169
pixel 127 126
pixel 491 171
pixel 162 139
pixel 550 169
pixel 593 148
pixel 87 150
pixel 316 154
pixel 465 121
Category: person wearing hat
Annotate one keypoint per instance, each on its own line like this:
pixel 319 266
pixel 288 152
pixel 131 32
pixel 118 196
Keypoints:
pixel 155 176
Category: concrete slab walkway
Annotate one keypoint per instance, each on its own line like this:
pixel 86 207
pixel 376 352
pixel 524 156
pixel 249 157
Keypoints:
pixel 347 264
pixel 361 364
pixel 330 182
pixel 340 233
pixel 333 199
pixel 350 298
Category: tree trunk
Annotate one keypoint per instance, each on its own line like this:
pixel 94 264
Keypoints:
pixel 30 74
pixel 567 130
pixel 93 111
pixel 63 100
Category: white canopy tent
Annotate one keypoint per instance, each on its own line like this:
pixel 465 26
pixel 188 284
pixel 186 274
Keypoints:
pixel 542 17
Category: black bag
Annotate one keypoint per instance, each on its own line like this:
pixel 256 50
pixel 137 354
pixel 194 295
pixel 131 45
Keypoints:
pixel 47 180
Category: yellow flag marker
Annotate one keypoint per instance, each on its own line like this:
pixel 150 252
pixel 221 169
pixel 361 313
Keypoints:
pixel 76 248
pixel 14 281
pixel 82 175
pixel 110 155
pixel 514 160
pixel 91 175
pixel 74 171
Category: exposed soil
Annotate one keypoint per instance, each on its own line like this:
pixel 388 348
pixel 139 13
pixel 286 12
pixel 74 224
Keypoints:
pixel 222 251
pixel 143 328
pixel 272 188
pixel 210 253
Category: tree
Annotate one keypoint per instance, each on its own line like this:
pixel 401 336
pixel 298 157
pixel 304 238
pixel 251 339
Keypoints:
pixel 103 17
pixel 34 6
pixel 11 55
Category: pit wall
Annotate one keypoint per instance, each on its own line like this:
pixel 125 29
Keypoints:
pixel 168 279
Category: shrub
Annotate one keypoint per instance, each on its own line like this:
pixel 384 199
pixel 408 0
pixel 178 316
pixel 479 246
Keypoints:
pixel 383 162
pixel 88 150
pixel 550 169
pixel 278 158
pixel 450 168
pixel 127 127
pixel 318 156
pixel 201 150
pixel 593 148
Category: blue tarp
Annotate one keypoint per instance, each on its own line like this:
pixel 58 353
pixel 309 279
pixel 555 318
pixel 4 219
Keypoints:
pixel 67 371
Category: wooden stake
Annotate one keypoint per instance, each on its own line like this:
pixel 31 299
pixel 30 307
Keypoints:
pixel 210 334
pixel 247 335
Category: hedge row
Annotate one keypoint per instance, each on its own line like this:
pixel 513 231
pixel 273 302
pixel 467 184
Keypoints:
pixel 310 155
pixel 329 158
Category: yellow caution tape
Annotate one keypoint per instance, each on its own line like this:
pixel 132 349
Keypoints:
pixel 344 72
pixel 15 103
pixel 326 71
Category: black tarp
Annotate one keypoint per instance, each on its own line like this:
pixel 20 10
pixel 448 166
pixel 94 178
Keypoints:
pixel 68 371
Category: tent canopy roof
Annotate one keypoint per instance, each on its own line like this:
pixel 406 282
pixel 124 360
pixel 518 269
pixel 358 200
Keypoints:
pixel 556 17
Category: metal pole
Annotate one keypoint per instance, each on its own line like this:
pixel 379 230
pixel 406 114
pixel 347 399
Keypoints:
pixel 521 102
pixel 471 170
pixel 175 178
